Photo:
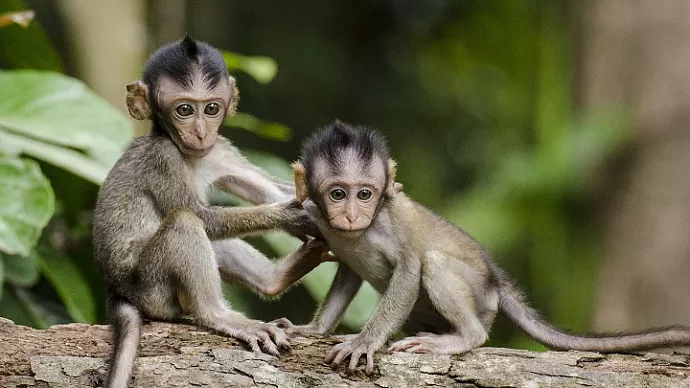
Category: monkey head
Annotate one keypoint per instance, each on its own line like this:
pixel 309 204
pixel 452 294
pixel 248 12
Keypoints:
pixel 347 173
pixel 187 92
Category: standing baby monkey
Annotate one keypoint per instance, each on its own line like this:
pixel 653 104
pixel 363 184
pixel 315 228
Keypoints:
pixel 161 247
pixel 435 280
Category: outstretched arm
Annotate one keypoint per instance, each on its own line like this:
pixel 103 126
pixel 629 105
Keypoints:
pixel 239 262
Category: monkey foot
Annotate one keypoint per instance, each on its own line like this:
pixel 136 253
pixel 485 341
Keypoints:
pixel 263 337
pixel 432 343
pixel 354 346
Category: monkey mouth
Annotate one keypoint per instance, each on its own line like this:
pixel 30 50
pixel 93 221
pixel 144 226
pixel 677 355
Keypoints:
pixel 196 152
pixel 351 232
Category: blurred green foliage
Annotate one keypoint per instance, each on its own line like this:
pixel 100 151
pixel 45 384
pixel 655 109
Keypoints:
pixel 476 98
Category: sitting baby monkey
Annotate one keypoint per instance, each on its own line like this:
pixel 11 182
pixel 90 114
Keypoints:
pixel 434 278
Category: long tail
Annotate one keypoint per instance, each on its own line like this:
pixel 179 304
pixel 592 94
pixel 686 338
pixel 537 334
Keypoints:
pixel 126 320
pixel 514 307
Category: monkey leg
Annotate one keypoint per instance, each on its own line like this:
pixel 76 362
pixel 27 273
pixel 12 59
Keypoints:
pixel 178 273
pixel 240 262
pixel 448 282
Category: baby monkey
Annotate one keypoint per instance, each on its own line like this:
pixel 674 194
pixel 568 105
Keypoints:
pixel 435 280
pixel 161 247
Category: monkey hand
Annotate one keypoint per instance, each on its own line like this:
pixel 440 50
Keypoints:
pixel 353 346
pixel 300 224
pixel 296 330
pixel 263 337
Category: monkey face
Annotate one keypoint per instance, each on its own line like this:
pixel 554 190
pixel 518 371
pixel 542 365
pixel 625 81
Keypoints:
pixel 195 113
pixel 351 196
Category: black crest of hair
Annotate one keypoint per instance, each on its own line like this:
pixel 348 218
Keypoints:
pixel 180 60
pixel 331 142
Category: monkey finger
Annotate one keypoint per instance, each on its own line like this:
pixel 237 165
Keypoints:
pixel 328 256
pixel 338 352
pixel 270 348
pixel 332 353
pixel 370 363
pixel 254 344
pixel 283 323
pixel 419 348
pixel 403 344
pixel 354 359
pixel 279 337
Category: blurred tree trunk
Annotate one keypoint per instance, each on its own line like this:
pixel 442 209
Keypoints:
pixel 109 44
pixel 636 54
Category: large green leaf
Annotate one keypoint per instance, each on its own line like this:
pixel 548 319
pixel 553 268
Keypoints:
pixel 70 285
pixel 26 204
pixel 60 110
pixel 70 160
pixel 26 47
pixel 21 270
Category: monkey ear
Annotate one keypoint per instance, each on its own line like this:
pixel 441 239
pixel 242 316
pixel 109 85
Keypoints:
pixel 137 100
pixel 300 181
pixel 234 97
pixel 392 186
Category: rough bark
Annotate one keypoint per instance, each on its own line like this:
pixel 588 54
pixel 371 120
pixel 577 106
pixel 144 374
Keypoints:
pixel 176 355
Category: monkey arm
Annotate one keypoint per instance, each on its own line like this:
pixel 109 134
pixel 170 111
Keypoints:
pixel 250 182
pixel 395 306
pixel 242 263
pixel 255 186
pixel 344 288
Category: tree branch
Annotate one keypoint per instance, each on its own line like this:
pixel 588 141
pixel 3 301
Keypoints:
pixel 177 355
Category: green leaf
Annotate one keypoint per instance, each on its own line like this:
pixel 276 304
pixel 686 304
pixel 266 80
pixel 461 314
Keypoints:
pixel 70 285
pixel 27 202
pixel 73 161
pixel 61 110
pixel 21 270
pixel 262 69
pixel 270 130
pixel 26 47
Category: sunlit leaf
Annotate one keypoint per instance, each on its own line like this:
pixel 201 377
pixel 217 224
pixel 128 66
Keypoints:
pixel 22 18
pixel 262 69
pixel 26 47
pixel 21 270
pixel 70 285
pixel 61 110
pixel 75 162
pixel 267 129
pixel 27 202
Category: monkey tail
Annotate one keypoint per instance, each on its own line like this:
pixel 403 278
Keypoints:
pixel 126 320
pixel 513 306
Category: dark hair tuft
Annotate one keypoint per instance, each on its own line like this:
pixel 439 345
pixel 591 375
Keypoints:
pixel 180 60
pixel 331 142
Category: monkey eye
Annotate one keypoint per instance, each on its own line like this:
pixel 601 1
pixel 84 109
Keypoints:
pixel 364 194
pixel 338 194
pixel 184 110
pixel 212 109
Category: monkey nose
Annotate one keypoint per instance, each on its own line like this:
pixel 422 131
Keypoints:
pixel 200 133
